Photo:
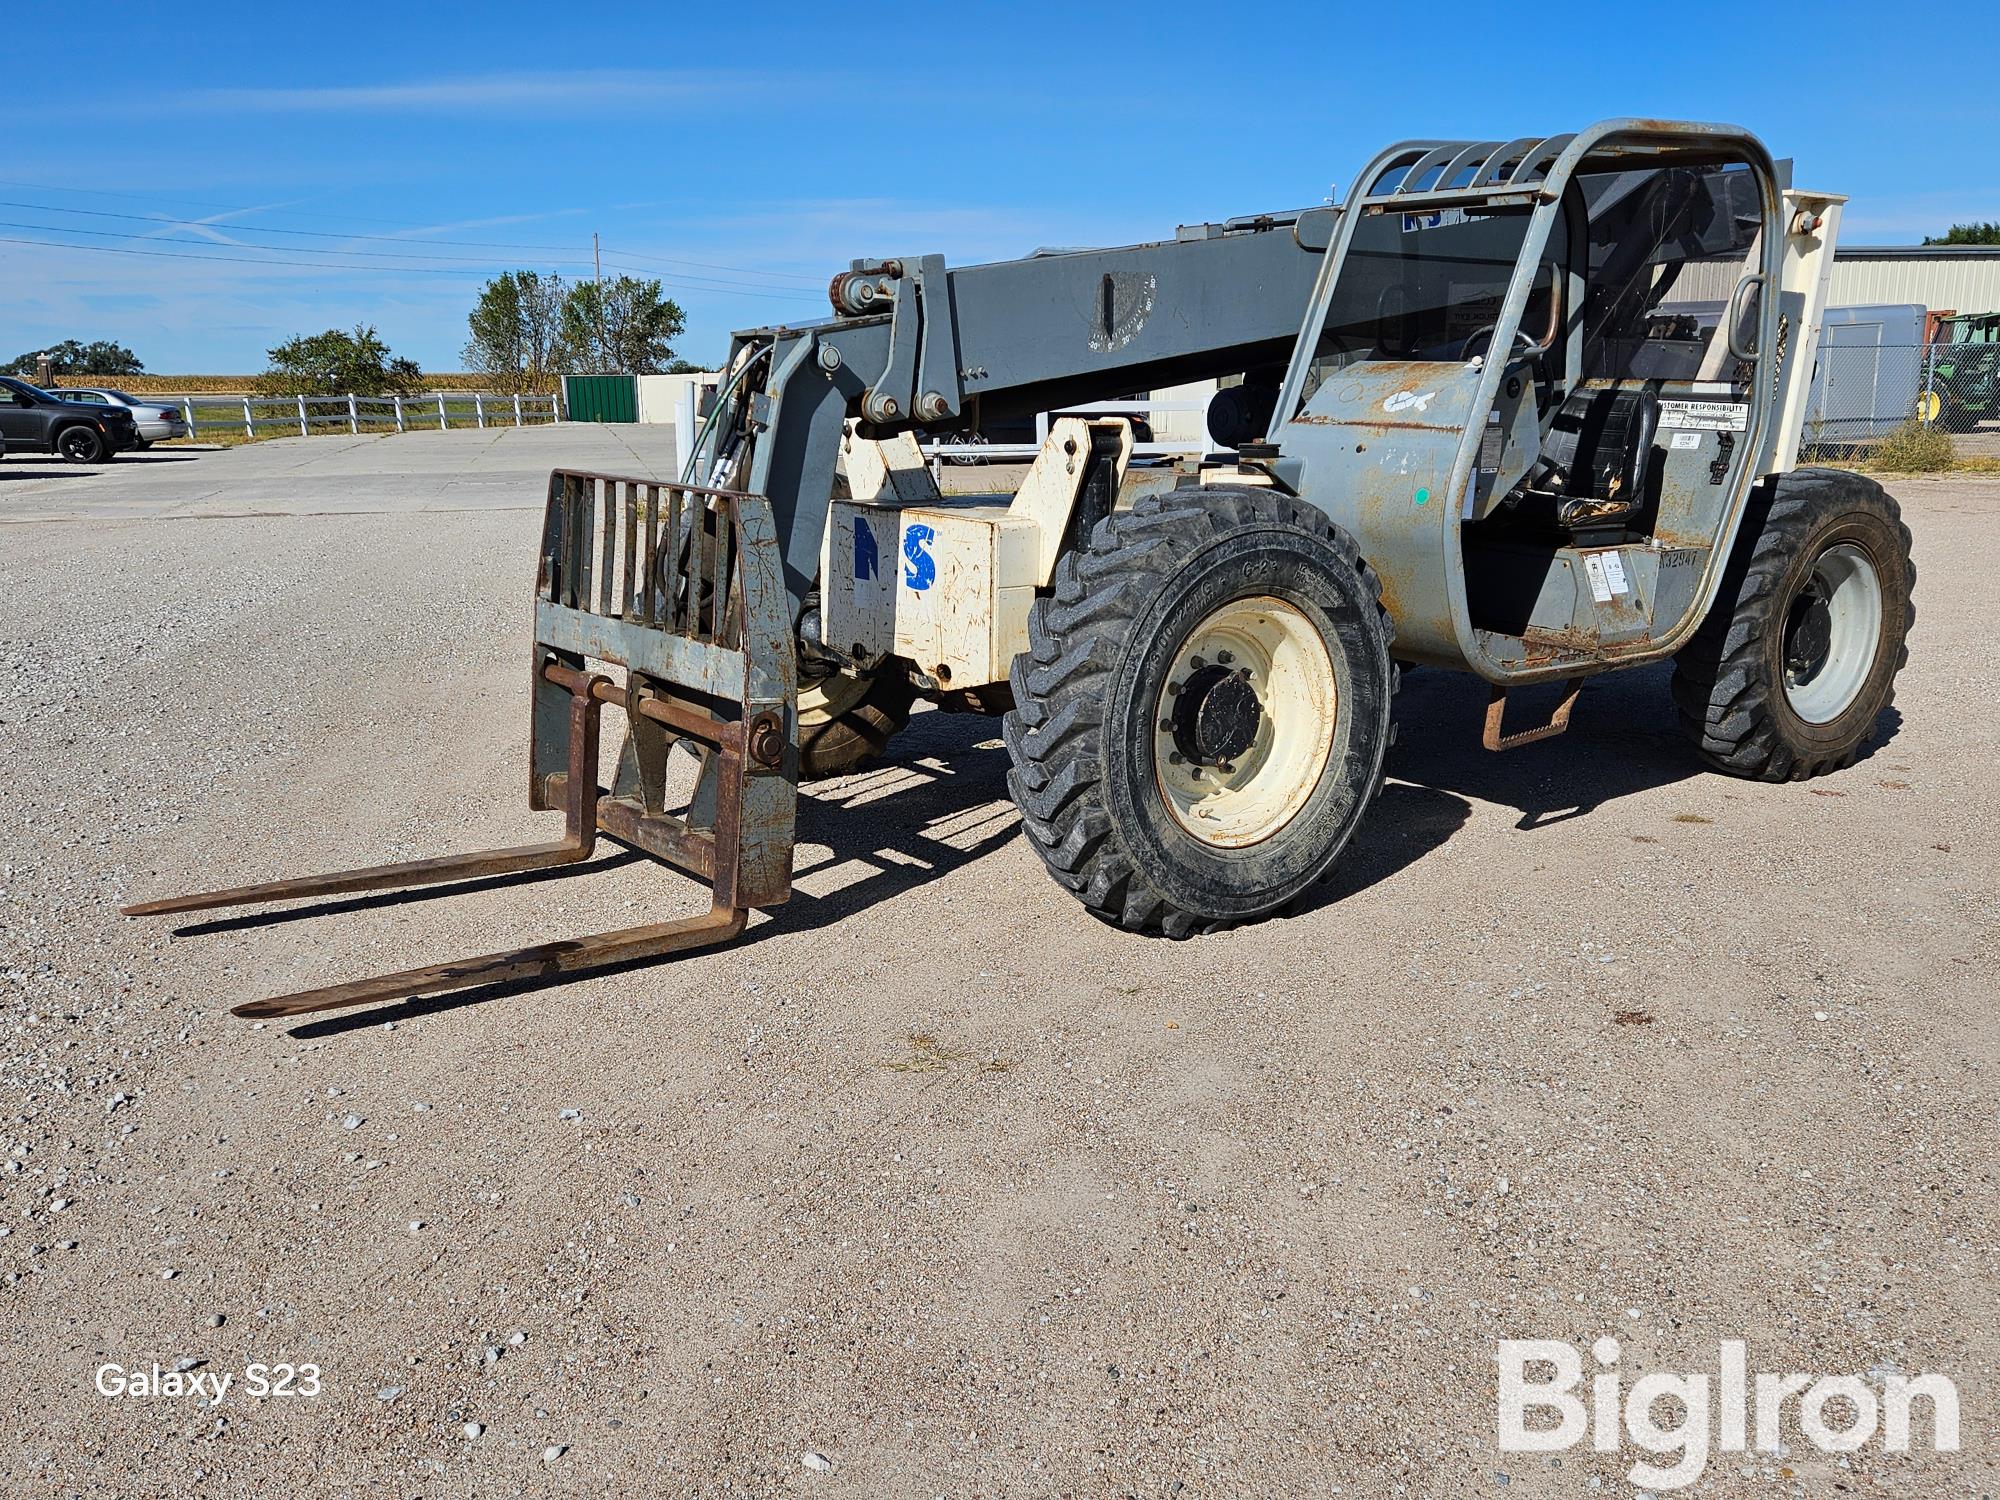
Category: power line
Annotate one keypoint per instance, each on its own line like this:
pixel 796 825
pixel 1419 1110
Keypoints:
pixel 112 234
pixel 471 269
pixel 794 295
pixel 667 260
pixel 241 208
pixel 236 260
pixel 704 283
pixel 169 221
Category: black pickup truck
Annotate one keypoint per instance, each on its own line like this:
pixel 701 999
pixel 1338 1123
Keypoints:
pixel 33 421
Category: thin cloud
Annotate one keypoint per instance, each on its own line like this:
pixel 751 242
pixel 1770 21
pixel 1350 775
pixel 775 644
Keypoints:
pixel 494 222
pixel 467 95
pixel 204 227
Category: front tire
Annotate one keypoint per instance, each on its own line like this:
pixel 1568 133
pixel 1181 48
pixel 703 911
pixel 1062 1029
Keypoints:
pixel 1799 654
pixel 1203 710
pixel 80 445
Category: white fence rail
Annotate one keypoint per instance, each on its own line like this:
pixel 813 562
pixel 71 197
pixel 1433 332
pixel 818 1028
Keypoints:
pixel 268 416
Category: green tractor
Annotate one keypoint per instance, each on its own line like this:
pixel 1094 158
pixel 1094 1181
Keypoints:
pixel 1963 384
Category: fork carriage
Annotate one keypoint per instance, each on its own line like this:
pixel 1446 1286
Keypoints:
pixel 683 588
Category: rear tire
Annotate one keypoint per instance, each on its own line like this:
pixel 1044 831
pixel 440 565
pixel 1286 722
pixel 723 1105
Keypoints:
pixel 80 445
pixel 1799 654
pixel 846 719
pixel 1147 781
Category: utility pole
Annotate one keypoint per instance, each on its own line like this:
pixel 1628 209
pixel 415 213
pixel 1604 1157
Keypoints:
pixel 597 260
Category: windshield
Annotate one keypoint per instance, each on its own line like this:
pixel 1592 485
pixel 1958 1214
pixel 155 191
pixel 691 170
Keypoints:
pixel 32 390
pixel 121 396
pixel 1429 286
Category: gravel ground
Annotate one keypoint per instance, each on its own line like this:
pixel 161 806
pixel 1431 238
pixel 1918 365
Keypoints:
pixel 932 1185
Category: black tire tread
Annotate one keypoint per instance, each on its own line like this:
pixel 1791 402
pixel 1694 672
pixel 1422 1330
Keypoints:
pixel 848 741
pixel 1719 687
pixel 1075 635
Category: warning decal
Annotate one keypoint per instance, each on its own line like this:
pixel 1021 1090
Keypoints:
pixel 1706 416
pixel 1614 573
pixel 1600 586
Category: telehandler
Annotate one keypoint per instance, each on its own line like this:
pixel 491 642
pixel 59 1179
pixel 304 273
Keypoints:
pixel 1485 416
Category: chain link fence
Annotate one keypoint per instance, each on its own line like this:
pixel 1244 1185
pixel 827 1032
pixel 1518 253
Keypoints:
pixel 1903 405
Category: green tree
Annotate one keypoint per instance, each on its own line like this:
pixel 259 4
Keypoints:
pixel 1968 234
pixel 517 330
pixel 99 357
pixel 334 363
pixel 625 326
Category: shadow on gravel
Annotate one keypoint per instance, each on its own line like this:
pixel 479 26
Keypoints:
pixel 1624 737
pixel 13 468
pixel 403 897
pixel 940 806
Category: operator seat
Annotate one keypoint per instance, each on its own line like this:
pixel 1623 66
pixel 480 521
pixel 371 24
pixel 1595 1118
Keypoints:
pixel 1597 456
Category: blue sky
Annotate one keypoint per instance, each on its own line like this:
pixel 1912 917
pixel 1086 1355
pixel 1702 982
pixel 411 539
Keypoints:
pixel 260 175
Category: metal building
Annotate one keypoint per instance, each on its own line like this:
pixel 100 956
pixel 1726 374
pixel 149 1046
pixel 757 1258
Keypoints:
pixel 1964 278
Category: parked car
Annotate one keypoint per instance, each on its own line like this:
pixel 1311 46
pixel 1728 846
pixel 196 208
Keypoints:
pixel 156 420
pixel 37 421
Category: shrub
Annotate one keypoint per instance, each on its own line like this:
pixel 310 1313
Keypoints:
pixel 1914 448
pixel 336 363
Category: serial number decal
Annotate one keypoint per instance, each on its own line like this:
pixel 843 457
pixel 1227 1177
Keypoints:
pixel 1706 416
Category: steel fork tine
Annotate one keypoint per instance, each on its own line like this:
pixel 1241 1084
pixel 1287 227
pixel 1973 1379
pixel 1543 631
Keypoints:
pixel 374 878
pixel 542 961
pixel 578 840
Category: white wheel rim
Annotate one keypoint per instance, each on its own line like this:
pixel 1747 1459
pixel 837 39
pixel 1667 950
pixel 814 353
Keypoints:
pixel 1833 629
pixel 824 699
pixel 1249 796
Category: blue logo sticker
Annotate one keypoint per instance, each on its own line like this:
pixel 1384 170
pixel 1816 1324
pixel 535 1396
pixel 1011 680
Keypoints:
pixel 867 561
pixel 919 568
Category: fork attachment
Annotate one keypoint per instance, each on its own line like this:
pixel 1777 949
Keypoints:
pixel 689 597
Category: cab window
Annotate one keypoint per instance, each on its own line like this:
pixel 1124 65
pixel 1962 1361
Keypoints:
pixel 1668 247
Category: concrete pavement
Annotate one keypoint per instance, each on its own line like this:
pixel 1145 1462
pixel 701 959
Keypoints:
pixel 464 469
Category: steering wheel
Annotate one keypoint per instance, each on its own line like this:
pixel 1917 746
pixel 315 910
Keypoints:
pixel 1525 347
pixel 1480 341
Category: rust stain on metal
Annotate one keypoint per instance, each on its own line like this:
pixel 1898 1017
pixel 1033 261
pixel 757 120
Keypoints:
pixel 1374 425
pixel 1544 646
pixel 1496 708
pixel 1390 596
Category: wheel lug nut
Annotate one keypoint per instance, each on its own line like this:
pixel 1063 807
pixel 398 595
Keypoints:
pixel 1173 687
pixel 1224 657
pixel 1166 726
pixel 1173 757
pixel 1196 662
